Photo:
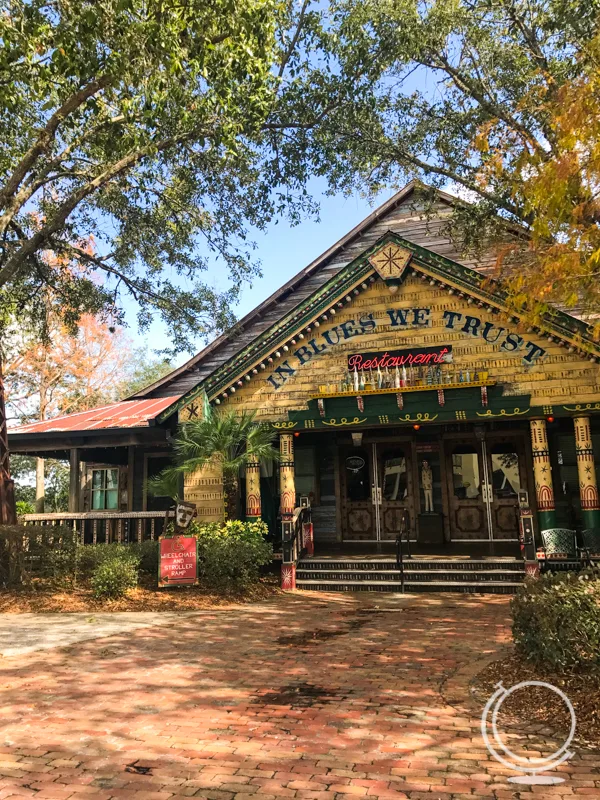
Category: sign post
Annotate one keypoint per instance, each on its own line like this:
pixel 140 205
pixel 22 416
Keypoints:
pixel 178 554
pixel 177 561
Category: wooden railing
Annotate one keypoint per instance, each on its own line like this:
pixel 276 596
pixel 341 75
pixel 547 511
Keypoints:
pixel 99 527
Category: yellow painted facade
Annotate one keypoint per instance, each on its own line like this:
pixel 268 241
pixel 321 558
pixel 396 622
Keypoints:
pixel 556 378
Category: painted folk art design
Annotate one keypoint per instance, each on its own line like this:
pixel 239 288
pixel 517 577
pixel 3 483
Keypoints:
pixel 286 476
pixel 542 470
pixel 253 505
pixel 390 261
pixel 588 488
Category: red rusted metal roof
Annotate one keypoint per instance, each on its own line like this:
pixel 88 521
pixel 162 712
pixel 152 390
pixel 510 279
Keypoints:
pixel 126 414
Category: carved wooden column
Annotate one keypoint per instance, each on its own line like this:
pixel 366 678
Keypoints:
pixel 287 503
pixel 542 470
pixel 588 488
pixel 287 483
pixel 253 507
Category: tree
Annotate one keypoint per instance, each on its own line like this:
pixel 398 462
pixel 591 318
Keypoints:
pixel 224 438
pixel 159 128
pixel 147 125
pixel 143 371
pixel 61 373
pixel 499 101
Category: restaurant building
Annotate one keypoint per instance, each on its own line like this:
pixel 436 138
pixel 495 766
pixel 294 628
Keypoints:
pixel 396 380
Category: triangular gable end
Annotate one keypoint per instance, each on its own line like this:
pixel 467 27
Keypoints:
pixel 391 259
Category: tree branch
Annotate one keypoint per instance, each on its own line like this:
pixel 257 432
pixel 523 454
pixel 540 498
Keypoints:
pixel 47 134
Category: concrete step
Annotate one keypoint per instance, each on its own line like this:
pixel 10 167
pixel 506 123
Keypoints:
pixel 471 576
pixel 470 587
pixel 512 565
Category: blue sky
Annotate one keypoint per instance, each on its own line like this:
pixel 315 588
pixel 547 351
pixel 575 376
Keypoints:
pixel 283 251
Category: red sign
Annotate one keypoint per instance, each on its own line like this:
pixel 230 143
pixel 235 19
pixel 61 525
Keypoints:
pixel 415 357
pixel 177 561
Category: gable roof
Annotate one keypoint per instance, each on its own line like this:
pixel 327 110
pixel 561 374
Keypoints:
pixel 273 344
pixel 407 213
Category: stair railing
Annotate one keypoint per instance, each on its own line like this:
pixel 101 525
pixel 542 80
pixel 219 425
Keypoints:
pixel 404 529
pixel 293 544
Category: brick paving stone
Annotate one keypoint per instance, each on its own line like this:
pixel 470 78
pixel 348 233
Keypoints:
pixel 244 703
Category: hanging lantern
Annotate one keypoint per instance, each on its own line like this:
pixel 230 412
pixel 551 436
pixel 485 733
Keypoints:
pixel 400 400
pixel 484 396
pixel 441 397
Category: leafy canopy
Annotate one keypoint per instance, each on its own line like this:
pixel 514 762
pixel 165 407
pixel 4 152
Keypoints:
pixel 164 130
pixel 497 100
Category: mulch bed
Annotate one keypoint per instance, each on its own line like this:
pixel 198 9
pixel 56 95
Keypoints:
pixel 538 705
pixel 41 597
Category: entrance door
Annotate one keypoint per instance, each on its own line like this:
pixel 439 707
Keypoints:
pixel 376 491
pixel 358 509
pixel 396 495
pixel 484 479
pixel 507 477
pixel 467 491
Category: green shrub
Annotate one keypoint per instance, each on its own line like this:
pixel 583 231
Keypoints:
pixel 24 507
pixel 114 577
pixel 230 555
pixel 556 620
pixel 92 555
pixel 148 554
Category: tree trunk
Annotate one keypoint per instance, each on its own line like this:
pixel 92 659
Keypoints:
pixel 8 513
pixel 40 487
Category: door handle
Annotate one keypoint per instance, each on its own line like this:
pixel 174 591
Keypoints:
pixel 376 495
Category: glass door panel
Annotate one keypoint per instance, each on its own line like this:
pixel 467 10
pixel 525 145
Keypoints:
pixel 358 510
pixel 396 489
pixel 468 518
pixel 506 479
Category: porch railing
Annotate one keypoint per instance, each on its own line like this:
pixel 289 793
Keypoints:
pixel 99 527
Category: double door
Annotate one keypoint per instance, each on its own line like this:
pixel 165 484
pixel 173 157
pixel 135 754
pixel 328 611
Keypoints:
pixel 484 477
pixel 476 484
pixel 377 490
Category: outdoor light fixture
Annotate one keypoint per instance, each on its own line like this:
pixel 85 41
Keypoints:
pixel 357 439
pixel 416 427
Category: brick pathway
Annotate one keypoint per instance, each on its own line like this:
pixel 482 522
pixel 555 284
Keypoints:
pixel 315 696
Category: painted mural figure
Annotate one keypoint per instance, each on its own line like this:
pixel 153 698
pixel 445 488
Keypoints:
pixel 427 486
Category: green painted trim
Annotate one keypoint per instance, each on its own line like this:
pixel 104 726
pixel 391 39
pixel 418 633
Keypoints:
pixel 591 518
pixel 546 519
pixel 466 279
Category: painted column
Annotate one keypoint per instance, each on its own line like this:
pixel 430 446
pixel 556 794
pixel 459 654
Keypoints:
pixel 287 483
pixel 253 508
pixel 542 470
pixel 287 491
pixel 588 488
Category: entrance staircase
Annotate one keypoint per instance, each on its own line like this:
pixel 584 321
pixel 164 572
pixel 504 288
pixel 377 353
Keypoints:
pixel 421 574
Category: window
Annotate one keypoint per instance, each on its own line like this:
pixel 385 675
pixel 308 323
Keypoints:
pixel 465 473
pixel 394 476
pixel 304 469
pixel 505 474
pixel 105 489
pixel 358 484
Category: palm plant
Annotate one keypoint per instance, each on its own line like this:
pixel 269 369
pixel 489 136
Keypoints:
pixel 226 439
